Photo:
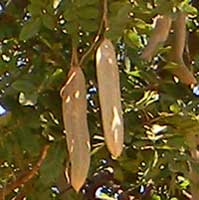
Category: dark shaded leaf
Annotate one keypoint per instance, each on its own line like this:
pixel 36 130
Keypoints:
pixel 30 29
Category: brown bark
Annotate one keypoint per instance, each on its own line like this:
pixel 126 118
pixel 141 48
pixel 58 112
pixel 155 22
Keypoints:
pixel 25 178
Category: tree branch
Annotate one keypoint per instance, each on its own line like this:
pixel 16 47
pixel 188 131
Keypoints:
pixel 27 177
pixel 20 196
pixel 103 26
pixel 65 190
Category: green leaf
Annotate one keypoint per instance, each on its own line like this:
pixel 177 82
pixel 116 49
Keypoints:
pixel 35 9
pixel 140 24
pixel 175 108
pixel 115 6
pixel 156 197
pixel 186 7
pixel 6 148
pixel 73 30
pixel 118 22
pixel 40 192
pixel 53 165
pixel 89 25
pixel 48 21
pixel 185 183
pixel 5 119
pixel 81 3
pixel 70 12
pixel 176 142
pixel 72 195
pixel 171 66
pixel 134 38
pixel 130 165
pixel 57 78
pixel 56 3
pixel 23 86
pixel 28 140
pixel 30 29
pixel 88 12
pixel 28 99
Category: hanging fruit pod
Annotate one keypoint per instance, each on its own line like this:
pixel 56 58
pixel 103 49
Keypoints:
pixel 74 109
pixel 177 49
pixel 110 97
pixel 158 36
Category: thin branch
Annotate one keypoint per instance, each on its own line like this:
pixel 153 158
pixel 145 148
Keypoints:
pixel 186 194
pixel 27 177
pixel 103 26
pixel 8 2
pixel 153 3
pixel 69 187
pixel 74 58
pixel 105 14
pixel 20 196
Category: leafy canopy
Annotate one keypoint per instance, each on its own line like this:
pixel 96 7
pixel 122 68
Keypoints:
pixel 160 112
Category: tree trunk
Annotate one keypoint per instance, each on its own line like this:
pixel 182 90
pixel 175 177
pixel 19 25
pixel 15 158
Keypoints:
pixel 194 176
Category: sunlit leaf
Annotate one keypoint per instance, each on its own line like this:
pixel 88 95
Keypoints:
pixel 28 99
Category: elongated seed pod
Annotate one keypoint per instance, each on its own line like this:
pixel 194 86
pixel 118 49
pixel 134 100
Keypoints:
pixel 183 73
pixel 176 55
pixel 179 38
pixel 74 108
pixel 159 35
pixel 110 97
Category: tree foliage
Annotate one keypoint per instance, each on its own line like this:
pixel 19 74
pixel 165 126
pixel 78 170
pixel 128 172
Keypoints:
pixel 156 47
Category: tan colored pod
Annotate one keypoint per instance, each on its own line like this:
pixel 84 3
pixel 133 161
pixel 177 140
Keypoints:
pixel 74 108
pixel 179 37
pixel 177 49
pixel 183 73
pixel 110 97
pixel 158 36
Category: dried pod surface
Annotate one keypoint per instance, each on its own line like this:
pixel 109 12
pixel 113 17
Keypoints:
pixel 178 44
pixel 110 97
pixel 183 73
pixel 74 108
pixel 159 35
pixel 179 35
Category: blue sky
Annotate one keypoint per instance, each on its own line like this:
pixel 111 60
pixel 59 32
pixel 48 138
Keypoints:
pixel 2 110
